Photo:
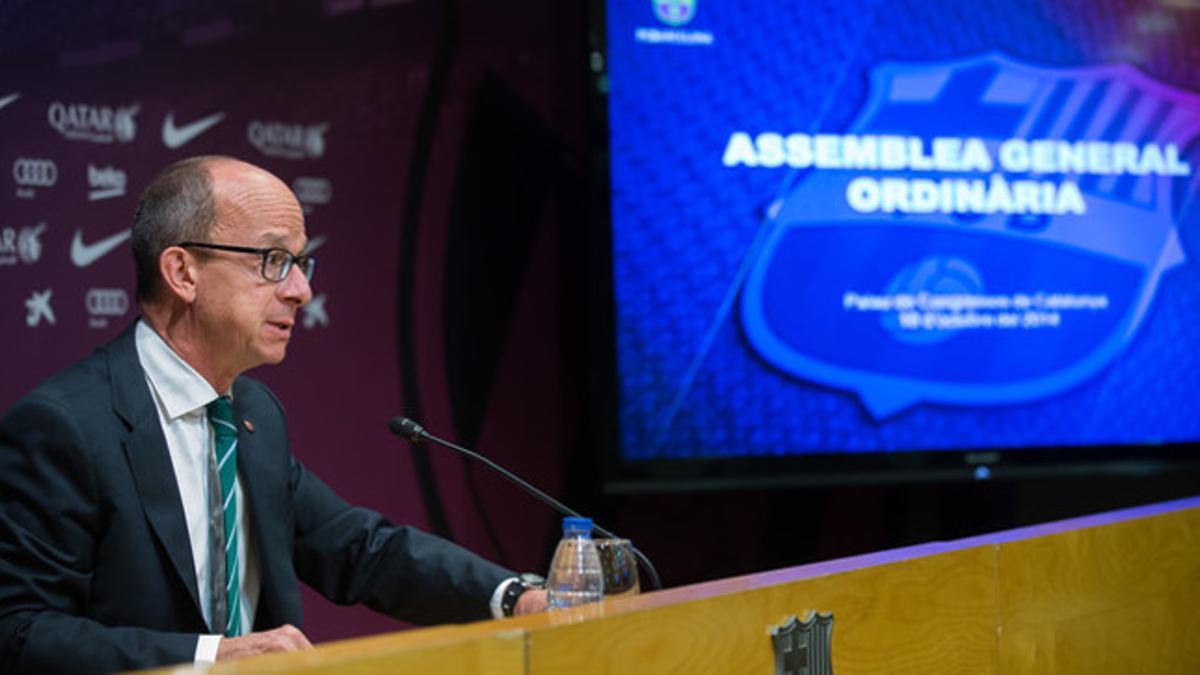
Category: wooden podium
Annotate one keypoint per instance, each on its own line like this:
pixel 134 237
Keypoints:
pixel 1111 593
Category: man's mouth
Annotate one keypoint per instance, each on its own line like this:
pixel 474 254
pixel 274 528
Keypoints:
pixel 282 326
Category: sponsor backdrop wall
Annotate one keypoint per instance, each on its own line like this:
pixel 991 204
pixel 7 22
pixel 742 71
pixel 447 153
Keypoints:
pixel 362 109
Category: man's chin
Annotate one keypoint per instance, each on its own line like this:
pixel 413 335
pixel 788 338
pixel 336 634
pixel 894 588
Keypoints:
pixel 272 355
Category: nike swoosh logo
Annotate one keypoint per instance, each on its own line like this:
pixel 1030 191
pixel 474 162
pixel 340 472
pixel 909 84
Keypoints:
pixel 315 243
pixel 9 99
pixel 174 137
pixel 85 254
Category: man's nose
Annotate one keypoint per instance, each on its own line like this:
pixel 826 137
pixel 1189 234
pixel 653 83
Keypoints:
pixel 295 288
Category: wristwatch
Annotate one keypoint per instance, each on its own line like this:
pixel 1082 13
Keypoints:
pixel 525 582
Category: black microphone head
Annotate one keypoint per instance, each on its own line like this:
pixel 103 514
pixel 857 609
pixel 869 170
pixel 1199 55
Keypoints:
pixel 406 428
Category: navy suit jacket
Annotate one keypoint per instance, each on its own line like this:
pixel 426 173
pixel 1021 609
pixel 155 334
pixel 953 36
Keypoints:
pixel 96 570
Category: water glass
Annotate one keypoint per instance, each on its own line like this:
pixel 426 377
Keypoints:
pixel 619 567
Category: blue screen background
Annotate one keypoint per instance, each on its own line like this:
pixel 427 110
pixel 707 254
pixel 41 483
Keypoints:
pixel 687 230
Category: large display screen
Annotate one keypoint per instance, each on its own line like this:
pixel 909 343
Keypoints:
pixel 877 227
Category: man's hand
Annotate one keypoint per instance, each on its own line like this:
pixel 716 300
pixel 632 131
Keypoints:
pixel 531 601
pixel 283 639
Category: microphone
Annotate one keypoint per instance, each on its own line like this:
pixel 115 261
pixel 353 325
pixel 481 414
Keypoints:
pixel 411 431
pixel 407 429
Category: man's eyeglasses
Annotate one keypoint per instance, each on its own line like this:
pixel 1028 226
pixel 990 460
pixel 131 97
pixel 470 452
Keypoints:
pixel 276 262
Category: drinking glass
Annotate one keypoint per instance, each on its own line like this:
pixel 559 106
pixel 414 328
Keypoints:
pixel 619 567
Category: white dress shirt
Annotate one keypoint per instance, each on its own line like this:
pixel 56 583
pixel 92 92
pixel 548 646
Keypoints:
pixel 181 395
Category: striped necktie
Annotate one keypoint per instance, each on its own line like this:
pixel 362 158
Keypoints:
pixel 220 415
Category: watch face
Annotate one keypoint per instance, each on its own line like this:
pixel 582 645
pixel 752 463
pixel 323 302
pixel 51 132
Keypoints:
pixel 535 580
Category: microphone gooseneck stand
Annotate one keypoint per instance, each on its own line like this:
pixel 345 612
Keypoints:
pixel 415 433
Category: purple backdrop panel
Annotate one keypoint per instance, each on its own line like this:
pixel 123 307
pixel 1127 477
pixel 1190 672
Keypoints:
pixel 333 120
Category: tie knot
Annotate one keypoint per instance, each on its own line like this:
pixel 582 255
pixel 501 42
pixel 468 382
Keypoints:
pixel 220 415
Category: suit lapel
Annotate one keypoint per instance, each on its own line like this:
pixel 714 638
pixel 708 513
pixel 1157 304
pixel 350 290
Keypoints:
pixel 146 451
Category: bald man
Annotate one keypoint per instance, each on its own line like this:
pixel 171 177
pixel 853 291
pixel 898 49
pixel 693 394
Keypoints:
pixel 152 510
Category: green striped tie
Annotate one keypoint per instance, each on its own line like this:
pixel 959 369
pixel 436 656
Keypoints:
pixel 220 415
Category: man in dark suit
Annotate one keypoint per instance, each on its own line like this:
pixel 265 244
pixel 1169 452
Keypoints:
pixel 152 511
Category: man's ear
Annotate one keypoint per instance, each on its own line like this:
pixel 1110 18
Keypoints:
pixel 178 270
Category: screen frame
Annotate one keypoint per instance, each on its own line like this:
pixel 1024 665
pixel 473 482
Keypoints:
pixel 622 476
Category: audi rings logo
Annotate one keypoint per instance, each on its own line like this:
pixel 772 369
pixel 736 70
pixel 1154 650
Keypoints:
pixel 311 190
pixel 35 172
pixel 32 173
pixel 107 302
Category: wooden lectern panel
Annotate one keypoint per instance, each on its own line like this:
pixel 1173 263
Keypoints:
pixel 932 614
pixel 1116 597
pixel 1116 592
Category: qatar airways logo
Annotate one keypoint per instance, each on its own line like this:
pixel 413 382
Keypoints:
pixel 92 123
pixel 291 141
pixel 21 244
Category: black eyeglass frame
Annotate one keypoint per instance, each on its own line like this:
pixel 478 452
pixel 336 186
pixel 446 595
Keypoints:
pixel 306 262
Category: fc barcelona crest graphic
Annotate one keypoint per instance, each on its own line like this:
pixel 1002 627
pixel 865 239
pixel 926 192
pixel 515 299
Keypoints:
pixel 674 12
pixel 804 647
pixel 986 232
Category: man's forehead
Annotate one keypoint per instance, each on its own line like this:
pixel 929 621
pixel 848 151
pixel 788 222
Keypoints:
pixel 280 239
pixel 236 181
pixel 260 232
pixel 255 193
pixel 228 168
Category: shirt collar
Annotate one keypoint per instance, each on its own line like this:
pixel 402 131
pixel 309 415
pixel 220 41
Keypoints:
pixel 180 388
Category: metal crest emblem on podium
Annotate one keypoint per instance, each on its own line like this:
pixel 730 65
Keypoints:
pixel 804 647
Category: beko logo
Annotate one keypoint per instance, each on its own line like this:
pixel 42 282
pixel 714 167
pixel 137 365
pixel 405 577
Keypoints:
pixel 293 141
pixel 35 172
pixel 105 183
pixel 95 124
